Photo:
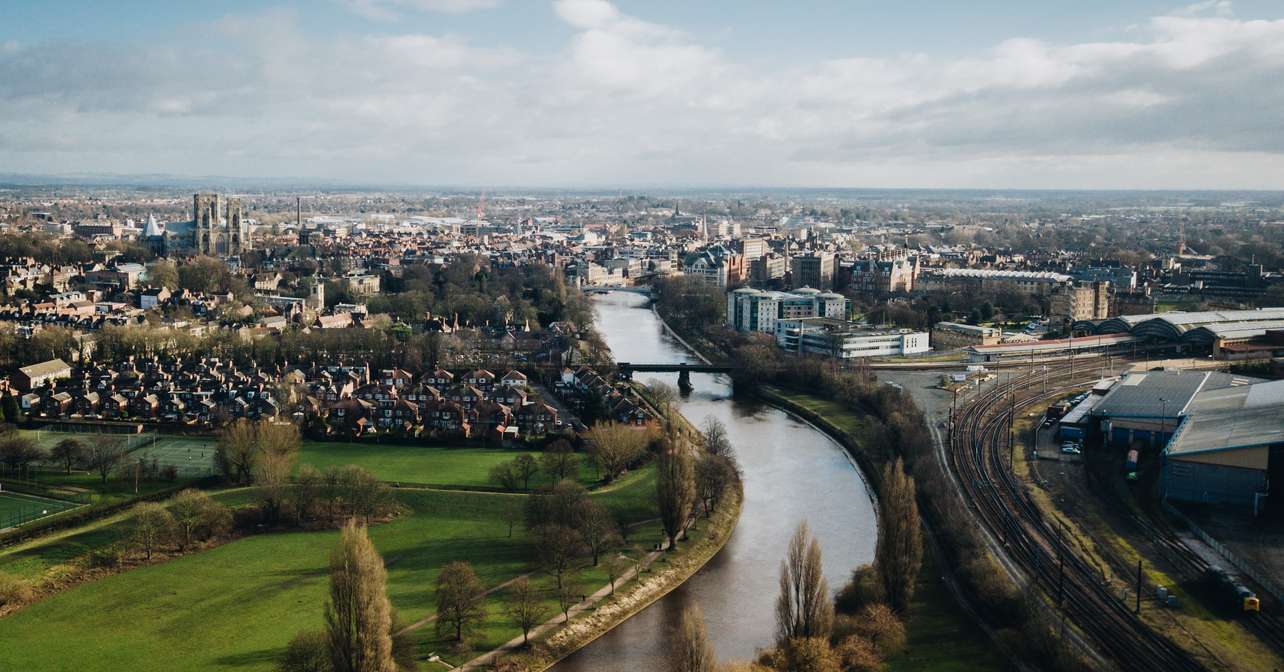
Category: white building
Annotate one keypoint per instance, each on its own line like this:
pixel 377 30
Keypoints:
pixel 758 310
pixel 844 340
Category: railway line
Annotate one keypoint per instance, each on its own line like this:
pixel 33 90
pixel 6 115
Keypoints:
pixel 978 438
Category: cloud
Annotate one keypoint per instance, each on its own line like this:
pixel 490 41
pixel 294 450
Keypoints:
pixel 1221 8
pixel 387 10
pixel 1190 99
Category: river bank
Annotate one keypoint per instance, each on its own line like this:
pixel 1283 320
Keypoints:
pixel 792 472
pixel 703 545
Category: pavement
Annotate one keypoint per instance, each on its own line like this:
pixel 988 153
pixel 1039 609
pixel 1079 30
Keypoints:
pixel 559 620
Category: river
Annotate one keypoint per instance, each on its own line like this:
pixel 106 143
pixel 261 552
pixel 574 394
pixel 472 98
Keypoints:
pixel 792 472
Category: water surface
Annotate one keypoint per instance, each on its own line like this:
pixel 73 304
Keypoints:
pixel 792 472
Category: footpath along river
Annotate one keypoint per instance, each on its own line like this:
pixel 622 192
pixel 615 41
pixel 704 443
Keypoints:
pixel 792 472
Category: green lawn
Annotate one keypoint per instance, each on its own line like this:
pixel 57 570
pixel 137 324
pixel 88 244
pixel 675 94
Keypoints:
pixel 235 607
pixel 851 423
pixel 938 634
pixel 423 465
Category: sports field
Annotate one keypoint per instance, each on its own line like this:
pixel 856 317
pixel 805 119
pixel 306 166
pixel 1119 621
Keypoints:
pixel 193 456
pixel 17 508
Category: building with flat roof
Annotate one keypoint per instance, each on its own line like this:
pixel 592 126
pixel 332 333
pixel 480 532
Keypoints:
pixel 758 310
pixel 984 279
pixel 841 339
pixel 951 335
pixel 1228 447
pixel 813 269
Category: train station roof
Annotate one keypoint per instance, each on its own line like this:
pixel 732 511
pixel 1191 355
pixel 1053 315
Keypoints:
pixel 1162 394
pixel 1193 326
pixel 1229 430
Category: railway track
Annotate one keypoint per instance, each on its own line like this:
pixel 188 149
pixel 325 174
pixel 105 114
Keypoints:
pixel 1034 543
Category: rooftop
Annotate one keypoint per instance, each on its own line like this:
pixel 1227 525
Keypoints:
pixel 1156 394
pixel 1226 430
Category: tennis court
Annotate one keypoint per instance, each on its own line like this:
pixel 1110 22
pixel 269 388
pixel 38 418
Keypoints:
pixel 192 457
pixel 47 439
pixel 17 508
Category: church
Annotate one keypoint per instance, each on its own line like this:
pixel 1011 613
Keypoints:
pixel 219 227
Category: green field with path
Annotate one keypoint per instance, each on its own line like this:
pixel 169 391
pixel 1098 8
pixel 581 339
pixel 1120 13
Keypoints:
pixel 234 607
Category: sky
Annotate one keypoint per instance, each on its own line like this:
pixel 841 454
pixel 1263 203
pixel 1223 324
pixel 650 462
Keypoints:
pixel 1055 94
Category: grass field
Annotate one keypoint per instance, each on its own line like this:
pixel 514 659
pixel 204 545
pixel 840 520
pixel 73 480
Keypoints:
pixel 17 508
pixel 425 465
pixel 938 637
pixel 235 607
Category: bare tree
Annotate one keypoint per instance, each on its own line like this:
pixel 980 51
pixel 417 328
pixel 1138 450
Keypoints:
pixel 505 475
pixel 559 460
pixel 599 529
pixel 803 608
pixel 68 452
pixel 306 493
pixel 105 455
pixel 511 517
pixel 900 546
pixel 569 593
pixel 237 452
pixel 525 607
pixel 662 394
pixel 197 516
pixel 674 491
pixel 716 441
pixel 17 452
pixel 558 546
pixel 615 447
pixel 153 525
pixel 459 606
pixel 713 475
pixel 691 650
pixel 616 567
pixel 358 616
pixel 525 466
pixel 277 447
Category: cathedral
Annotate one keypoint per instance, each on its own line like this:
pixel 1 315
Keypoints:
pixel 219 228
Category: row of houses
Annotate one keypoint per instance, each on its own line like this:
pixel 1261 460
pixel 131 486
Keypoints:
pixel 341 400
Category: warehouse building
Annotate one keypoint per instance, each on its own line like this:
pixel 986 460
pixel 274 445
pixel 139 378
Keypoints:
pixel 1146 407
pixel 1217 433
pixel 1229 448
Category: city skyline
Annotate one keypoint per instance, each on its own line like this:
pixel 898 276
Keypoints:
pixel 586 93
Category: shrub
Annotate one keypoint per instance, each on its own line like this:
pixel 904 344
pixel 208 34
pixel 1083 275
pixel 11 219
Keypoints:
pixel 863 588
pixel 858 655
pixel 105 557
pixel 14 592
pixel 307 651
pixel 878 624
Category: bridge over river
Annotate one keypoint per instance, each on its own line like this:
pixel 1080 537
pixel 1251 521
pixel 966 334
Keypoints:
pixel 683 369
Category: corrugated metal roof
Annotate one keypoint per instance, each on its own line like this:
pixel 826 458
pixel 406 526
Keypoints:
pixel 1156 394
pixel 1227 430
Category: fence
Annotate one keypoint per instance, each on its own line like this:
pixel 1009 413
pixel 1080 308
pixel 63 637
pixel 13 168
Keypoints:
pixel 1266 582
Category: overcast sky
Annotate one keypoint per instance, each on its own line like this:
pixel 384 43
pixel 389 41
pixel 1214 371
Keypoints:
pixel 590 93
